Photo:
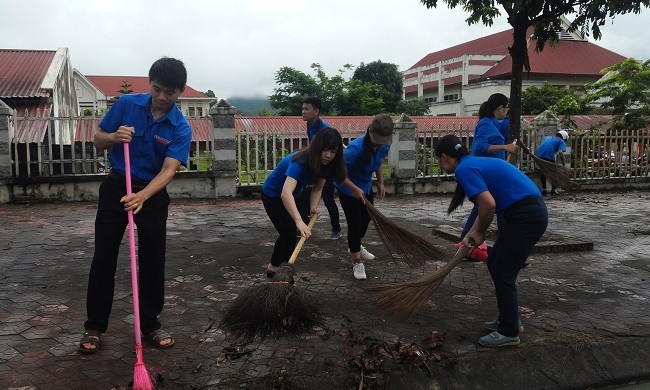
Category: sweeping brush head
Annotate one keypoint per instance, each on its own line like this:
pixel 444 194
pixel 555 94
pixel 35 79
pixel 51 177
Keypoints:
pixel 271 309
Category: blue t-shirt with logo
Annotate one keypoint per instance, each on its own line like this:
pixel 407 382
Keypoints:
pixel 288 168
pixel 504 181
pixel 550 146
pixel 490 131
pixel 152 141
pixel 312 128
pixel 358 172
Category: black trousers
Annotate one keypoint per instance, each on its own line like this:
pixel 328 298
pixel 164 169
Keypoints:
pixel 357 217
pixel 285 225
pixel 542 177
pixel 110 224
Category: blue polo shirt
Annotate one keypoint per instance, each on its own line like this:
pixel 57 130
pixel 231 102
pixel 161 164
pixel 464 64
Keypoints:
pixel 312 128
pixel 490 131
pixel 153 141
pixel 504 181
pixel 358 173
pixel 550 146
pixel 287 168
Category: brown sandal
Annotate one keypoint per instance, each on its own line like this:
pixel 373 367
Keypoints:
pixel 89 337
pixel 156 338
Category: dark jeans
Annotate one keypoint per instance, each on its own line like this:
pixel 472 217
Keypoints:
pixel 285 225
pixel 523 225
pixel 110 223
pixel 328 198
pixel 357 217
pixel 471 218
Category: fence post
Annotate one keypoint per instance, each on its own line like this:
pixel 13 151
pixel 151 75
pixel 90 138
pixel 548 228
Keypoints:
pixel 402 151
pixel 224 153
pixel 5 154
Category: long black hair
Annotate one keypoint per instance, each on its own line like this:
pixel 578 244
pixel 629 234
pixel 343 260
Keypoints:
pixel 326 139
pixel 452 147
pixel 494 101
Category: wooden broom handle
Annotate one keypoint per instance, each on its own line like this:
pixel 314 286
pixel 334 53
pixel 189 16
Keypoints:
pixel 300 243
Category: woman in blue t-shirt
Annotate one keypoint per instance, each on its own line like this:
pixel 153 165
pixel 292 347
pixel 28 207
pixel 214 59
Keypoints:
pixel 496 186
pixel 311 166
pixel 363 157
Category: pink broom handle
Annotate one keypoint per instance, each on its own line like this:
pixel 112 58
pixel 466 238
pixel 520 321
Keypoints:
pixel 134 270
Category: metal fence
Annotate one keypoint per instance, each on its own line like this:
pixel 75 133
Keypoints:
pixel 46 146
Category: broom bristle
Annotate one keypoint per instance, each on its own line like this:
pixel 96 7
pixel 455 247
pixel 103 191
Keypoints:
pixel 141 378
pixel 401 243
pixel 557 174
pixel 273 308
pixel 404 299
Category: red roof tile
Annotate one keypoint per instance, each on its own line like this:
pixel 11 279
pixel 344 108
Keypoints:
pixel 22 72
pixel 110 85
pixel 578 58
pixel 495 44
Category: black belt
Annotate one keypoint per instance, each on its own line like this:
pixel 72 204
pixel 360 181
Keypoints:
pixel 525 201
pixel 134 182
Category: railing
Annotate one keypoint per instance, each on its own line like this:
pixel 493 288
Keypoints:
pixel 45 146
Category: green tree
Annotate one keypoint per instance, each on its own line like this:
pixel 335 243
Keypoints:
pixel 386 75
pixel 626 90
pixel 544 17
pixel 209 93
pixel 340 96
pixel 559 100
pixel 126 87
pixel 414 107
pixel 293 87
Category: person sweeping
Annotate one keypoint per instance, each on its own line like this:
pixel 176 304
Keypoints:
pixel 363 157
pixel 311 166
pixel 496 186
pixel 547 150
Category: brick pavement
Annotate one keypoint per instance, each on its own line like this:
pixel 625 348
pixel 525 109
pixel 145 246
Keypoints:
pixel 585 313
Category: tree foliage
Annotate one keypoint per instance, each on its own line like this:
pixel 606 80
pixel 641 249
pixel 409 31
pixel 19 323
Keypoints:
pixel 414 107
pixel 626 90
pixel 361 95
pixel 559 100
pixel 544 16
pixel 386 75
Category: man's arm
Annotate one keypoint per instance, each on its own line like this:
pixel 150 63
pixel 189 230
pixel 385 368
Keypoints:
pixel 103 140
pixel 162 179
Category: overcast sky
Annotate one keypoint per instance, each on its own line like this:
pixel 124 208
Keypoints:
pixel 235 47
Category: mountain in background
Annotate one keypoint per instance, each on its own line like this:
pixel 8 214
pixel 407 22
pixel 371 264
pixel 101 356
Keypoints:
pixel 251 105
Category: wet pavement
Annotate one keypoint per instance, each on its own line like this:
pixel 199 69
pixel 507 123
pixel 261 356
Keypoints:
pixel 586 313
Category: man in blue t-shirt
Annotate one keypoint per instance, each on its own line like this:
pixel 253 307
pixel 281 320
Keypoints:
pixel 311 107
pixel 159 141
pixel 547 150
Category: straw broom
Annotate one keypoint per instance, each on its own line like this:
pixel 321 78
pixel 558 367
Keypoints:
pixel 273 308
pixel 404 299
pixel 557 174
pixel 141 378
pixel 401 243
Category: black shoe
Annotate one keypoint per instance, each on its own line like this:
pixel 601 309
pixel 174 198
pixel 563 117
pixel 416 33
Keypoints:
pixel 554 192
pixel 544 192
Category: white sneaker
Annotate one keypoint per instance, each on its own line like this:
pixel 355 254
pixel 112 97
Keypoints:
pixel 359 271
pixel 365 254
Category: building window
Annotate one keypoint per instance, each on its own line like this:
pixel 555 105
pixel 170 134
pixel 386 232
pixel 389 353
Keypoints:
pixel 431 99
pixel 453 96
pixel 190 111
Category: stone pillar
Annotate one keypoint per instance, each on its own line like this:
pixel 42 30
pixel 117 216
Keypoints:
pixel 224 153
pixel 5 154
pixel 402 151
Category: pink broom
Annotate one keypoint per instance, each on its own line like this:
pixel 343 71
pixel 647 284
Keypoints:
pixel 141 378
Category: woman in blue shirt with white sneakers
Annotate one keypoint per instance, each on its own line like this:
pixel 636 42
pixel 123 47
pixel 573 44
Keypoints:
pixel 496 186
pixel 313 165
pixel 363 157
